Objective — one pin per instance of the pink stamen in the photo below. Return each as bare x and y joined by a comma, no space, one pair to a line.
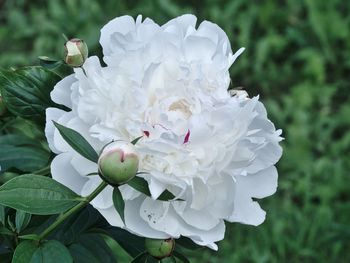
187,137
146,133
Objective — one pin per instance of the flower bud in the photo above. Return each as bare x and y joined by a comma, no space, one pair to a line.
160,248
118,162
76,52
2,106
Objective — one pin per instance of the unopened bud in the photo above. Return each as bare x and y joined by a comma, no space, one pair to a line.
76,52
160,248
118,162
2,106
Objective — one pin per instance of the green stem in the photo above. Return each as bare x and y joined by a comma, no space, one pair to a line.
71,211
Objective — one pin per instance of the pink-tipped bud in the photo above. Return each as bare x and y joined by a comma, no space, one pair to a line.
76,52
118,162
160,248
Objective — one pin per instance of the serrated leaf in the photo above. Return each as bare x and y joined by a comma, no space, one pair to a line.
118,202
77,142
26,91
22,220
51,251
37,194
24,252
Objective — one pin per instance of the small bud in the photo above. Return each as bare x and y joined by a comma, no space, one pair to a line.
160,248
76,52
2,106
118,162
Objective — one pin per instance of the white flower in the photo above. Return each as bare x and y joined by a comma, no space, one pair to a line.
169,83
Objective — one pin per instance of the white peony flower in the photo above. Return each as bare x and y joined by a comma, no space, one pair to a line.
169,83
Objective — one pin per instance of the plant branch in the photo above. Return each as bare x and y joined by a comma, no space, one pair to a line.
60,219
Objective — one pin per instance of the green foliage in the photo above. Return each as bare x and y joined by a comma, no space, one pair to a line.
118,202
297,58
26,91
77,142
37,194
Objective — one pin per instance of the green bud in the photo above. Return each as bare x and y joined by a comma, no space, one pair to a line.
2,106
76,52
160,248
118,162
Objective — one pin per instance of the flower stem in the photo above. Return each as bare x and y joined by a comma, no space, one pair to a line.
60,219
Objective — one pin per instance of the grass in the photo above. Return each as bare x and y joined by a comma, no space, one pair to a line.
297,58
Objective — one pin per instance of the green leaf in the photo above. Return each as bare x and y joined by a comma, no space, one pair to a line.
25,158
118,202
30,237
5,231
82,254
77,142
132,244
37,194
136,140
141,258
26,91
24,252
2,215
22,220
141,185
187,243
181,257
51,251
94,243
49,63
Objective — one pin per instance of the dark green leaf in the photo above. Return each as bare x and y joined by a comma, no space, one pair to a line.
51,251
94,243
136,140
173,259
187,243
22,220
118,202
24,252
2,214
37,194
132,244
5,231
82,254
26,91
141,185
24,158
49,63
30,237
141,258
181,257
77,142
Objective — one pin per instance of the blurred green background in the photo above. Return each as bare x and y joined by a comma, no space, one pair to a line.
297,58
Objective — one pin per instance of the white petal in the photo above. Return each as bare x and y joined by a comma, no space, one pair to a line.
52,114
104,199
61,93
136,224
112,216
122,25
64,173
